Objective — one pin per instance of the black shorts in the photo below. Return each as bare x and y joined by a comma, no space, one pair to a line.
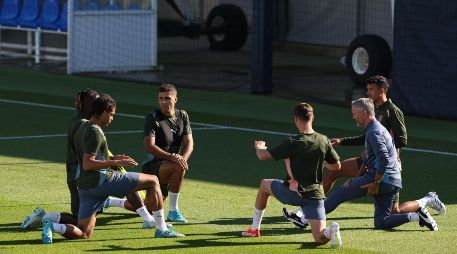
152,168
359,162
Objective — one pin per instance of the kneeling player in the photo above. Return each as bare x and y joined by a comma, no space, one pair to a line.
305,155
97,181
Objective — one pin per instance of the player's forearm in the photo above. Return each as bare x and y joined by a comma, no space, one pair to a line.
94,165
398,129
289,170
353,141
187,150
263,154
158,152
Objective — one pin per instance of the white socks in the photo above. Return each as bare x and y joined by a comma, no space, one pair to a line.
173,201
413,216
59,228
299,210
54,217
160,220
422,202
143,212
258,214
116,202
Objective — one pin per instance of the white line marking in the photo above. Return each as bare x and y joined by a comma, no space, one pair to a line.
209,126
429,151
36,104
108,132
34,136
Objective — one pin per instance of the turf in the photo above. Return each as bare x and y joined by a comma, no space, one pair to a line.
220,188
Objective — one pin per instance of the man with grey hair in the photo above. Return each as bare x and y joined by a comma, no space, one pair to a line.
382,179
365,104
391,117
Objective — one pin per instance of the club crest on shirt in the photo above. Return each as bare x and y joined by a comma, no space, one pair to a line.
380,118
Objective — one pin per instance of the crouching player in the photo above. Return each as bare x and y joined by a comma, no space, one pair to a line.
305,155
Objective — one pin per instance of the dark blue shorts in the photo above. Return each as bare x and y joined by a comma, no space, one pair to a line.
92,200
312,208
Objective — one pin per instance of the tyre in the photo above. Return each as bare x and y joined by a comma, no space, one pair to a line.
368,55
228,27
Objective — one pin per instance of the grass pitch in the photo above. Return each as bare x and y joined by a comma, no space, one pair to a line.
220,188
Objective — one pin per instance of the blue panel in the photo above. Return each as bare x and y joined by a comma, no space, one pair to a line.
30,14
50,15
91,6
113,7
9,14
425,58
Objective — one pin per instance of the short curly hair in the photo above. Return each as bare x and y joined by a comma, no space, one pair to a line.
103,103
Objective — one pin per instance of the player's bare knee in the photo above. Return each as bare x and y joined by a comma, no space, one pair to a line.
180,170
150,181
178,174
264,184
147,179
153,180
320,240
86,235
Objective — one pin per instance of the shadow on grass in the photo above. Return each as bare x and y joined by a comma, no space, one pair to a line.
109,219
264,232
204,243
11,228
34,206
20,242
348,218
399,230
247,221
27,163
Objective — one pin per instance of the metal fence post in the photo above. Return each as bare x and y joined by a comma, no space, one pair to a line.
262,47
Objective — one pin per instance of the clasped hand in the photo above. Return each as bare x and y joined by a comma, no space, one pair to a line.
180,161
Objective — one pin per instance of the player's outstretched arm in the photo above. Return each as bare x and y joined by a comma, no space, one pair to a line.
91,163
261,151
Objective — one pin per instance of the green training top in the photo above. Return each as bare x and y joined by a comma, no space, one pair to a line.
72,160
91,139
391,117
307,152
